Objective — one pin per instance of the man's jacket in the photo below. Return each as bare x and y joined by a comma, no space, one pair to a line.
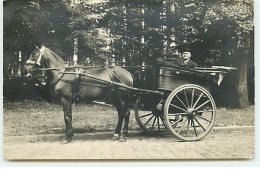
174,62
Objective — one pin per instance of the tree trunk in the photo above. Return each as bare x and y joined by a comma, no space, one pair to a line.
241,87
251,73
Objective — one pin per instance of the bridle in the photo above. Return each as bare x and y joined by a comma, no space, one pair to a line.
38,61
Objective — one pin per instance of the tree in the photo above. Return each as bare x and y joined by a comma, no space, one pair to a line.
220,33
236,29
32,22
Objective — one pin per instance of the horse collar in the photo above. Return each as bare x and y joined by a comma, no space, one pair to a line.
59,75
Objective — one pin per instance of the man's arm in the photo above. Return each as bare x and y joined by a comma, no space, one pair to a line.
167,63
160,61
192,64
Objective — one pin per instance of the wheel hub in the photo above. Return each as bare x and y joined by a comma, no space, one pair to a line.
191,112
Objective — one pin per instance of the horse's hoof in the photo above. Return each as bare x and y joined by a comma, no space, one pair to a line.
115,137
66,141
122,139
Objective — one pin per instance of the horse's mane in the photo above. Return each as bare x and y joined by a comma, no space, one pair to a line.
56,48
55,55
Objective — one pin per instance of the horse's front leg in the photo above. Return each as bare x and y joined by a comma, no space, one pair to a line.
123,115
119,124
67,110
125,130
121,104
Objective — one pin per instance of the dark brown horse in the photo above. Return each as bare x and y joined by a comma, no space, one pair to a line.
69,86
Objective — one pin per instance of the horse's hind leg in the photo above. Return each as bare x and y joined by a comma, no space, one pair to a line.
67,110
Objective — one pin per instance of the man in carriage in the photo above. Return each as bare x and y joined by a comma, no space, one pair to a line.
176,59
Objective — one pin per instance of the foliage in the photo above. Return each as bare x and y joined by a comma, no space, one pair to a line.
216,29
114,28
219,32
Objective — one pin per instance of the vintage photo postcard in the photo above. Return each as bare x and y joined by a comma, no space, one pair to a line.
128,79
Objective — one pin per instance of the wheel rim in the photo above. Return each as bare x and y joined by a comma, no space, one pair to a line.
151,121
190,112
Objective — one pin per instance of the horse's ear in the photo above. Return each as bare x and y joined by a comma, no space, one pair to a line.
36,47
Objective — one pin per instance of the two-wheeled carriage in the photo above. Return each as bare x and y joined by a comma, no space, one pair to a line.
176,99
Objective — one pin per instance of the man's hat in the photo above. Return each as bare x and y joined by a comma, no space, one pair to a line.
185,49
174,45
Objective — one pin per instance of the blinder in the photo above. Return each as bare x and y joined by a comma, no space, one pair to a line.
38,61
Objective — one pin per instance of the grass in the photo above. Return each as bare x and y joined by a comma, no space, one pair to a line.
235,117
30,117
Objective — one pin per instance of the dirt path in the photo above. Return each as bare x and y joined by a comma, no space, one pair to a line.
223,143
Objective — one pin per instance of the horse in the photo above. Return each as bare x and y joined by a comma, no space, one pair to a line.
68,86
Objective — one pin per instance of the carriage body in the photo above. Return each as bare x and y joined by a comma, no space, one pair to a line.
169,78
186,108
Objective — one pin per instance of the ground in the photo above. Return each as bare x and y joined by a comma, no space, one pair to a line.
229,143
34,130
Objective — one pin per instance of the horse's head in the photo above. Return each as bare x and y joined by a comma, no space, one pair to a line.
35,60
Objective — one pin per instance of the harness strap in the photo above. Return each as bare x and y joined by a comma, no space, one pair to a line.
112,75
77,77
58,77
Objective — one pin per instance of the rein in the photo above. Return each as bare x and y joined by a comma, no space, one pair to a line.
79,66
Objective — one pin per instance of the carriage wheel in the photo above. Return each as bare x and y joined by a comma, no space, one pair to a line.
150,120
190,112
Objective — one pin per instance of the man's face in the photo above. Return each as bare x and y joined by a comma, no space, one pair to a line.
186,55
174,51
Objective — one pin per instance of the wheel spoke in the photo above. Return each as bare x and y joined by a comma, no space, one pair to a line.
181,102
176,114
188,127
202,104
192,97
145,115
192,121
206,111
175,121
204,119
186,98
158,123
200,124
197,100
182,125
177,107
153,122
162,120
149,120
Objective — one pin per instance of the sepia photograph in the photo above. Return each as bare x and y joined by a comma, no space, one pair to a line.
112,80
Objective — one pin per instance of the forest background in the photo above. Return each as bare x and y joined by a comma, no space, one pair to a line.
220,32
